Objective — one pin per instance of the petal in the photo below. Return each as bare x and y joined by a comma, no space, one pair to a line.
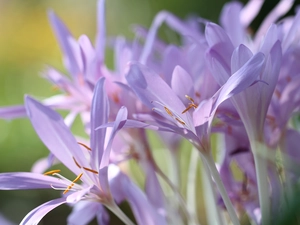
242,79
84,211
26,180
52,130
101,35
143,210
69,46
182,83
118,124
12,112
78,195
239,57
99,116
35,216
230,20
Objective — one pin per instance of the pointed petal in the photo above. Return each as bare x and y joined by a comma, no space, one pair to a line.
101,35
99,116
78,195
26,180
239,57
84,211
143,210
230,20
52,130
242,79
12,112
118,124
182,83
68,44
35,216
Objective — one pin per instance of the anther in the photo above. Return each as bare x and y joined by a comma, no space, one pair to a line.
168,111
180,121
87,147
77,164
52,172
73,183
90,170
190,98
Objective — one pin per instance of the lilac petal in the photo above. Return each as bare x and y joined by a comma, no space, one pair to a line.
172,57
153,189
101,35
12,112
249,12
103,179
68,45
118,124
215,35
99,116
35,216
44,164
78,195
219,67
26,180
88,52
84,211
239,57
182,83
242,79
230,20
292,34
5,221
281,8
270,39
52,130
172,21
143,210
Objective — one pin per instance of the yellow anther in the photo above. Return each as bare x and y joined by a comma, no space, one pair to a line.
52,172
90,170
84,145
168,111
73,183
187,109
180,121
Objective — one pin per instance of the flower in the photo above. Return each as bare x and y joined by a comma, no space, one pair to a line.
101,182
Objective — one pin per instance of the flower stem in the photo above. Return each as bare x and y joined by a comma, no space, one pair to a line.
119,213
191,188
216,176
262,181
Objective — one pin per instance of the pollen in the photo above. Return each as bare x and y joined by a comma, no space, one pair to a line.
51,172
190,98
191,105
73,183
84,145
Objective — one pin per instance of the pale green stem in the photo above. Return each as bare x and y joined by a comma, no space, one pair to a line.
262,180
216,176
212,210
191,198
119,213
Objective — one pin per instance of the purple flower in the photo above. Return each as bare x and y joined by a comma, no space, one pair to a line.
101,182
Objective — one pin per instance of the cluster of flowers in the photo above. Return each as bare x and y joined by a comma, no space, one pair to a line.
220,80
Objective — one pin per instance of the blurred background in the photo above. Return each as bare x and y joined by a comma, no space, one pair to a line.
27,45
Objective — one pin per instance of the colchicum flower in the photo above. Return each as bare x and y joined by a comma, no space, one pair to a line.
234,95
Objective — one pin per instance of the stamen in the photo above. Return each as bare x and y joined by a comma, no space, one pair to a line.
73,183
187,109
190,98
87,147
77,164
90,170
52,172
180,121
168,111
